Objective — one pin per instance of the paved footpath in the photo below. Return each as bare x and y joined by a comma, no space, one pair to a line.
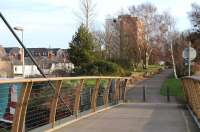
153,86
154,116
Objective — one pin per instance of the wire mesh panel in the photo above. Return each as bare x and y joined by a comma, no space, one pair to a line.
122,89
39,105
86,95
101,92
85,100
9,94
65,109
112,90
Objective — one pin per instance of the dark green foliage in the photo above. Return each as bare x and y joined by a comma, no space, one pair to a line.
81,51
101,67
87,59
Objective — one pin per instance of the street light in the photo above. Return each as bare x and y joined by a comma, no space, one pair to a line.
22,32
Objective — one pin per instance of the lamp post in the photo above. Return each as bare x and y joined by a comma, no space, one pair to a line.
22,32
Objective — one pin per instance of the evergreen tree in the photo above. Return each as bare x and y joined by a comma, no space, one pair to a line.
81,51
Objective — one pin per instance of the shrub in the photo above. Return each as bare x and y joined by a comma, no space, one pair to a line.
101,67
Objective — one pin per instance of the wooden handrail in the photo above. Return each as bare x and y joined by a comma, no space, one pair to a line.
20,80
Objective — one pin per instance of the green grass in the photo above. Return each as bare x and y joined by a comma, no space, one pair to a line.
150,69
89,83
174,86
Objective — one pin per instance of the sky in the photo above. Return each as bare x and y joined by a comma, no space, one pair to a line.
52,23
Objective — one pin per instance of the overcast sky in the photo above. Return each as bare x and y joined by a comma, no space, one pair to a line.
52,23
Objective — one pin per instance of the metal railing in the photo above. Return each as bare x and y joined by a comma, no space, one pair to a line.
31,104
191,87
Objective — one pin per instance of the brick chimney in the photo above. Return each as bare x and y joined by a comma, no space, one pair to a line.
50,55
21,55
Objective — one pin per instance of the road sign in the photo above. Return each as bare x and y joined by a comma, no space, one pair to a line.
192,51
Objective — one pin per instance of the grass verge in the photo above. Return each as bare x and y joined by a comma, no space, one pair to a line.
174,86
150,69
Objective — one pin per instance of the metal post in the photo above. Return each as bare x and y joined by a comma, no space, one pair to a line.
168,94
23,63
22,51
144,93
189,61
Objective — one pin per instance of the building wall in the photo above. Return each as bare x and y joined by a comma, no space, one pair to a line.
30,70
131,34
67,66
5,69
131,27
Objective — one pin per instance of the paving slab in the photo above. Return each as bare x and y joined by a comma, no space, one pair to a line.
152,86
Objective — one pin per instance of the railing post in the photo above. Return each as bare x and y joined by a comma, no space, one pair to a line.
168,94
144,93
125,89
55,102
16,120
77,98
117,88
106,93
94,95
20,115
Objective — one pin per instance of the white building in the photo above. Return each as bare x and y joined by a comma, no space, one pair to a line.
68,66
29,70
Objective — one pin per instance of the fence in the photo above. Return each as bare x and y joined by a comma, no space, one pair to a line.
32,104
191,87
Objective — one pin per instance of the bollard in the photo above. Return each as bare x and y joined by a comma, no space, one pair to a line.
168,94
144,93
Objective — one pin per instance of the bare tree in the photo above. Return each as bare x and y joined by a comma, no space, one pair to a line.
195,16
158,30
146,12
87,12
113,38
168,28
100,39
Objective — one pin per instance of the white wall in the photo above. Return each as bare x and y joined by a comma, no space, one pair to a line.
67,66
31,70
28,71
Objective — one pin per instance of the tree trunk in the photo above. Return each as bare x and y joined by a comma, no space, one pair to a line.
147,56
173,61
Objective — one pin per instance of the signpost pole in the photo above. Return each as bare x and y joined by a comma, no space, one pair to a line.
189,54
189,60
